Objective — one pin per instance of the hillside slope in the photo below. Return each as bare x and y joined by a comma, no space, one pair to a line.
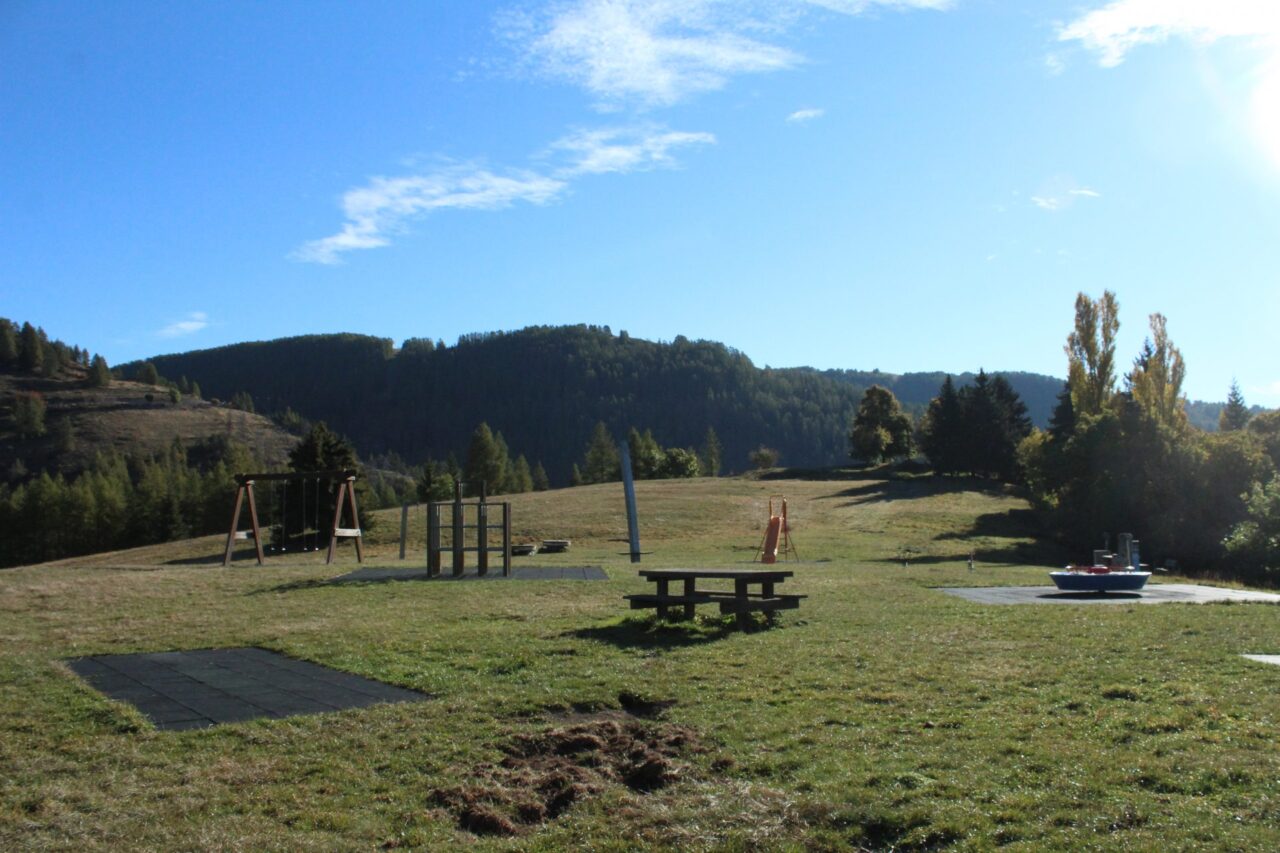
545,388
128,417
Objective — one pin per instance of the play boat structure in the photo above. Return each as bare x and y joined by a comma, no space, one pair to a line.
1120,572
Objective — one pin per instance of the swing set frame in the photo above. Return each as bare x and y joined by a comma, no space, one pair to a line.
346,496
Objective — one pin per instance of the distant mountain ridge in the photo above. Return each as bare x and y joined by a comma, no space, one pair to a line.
545,387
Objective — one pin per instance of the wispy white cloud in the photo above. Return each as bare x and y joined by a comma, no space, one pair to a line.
194,322
596,152
1061,192
1114,30
659,52
800,116
384,206
381,206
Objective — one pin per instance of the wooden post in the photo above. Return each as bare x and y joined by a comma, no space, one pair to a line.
245,489
433,540
337,521
459,555
506,539
404,527
482,538
253,520
355,518
235,523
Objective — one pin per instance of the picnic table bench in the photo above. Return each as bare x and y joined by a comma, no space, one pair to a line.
741,601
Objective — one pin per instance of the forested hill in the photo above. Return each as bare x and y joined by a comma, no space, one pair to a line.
545,388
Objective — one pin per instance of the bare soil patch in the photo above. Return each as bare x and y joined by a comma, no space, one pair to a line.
545,773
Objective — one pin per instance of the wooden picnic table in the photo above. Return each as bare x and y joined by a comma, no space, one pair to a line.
741,601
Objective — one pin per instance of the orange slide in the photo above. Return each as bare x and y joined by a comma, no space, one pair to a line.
771,536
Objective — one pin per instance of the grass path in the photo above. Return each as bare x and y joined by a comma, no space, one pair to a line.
882,713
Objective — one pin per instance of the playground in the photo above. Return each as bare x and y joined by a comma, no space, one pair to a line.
882,713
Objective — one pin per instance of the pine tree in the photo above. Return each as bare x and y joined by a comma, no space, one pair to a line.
28,415
1062,423
646,454
148,375
321,449
486,465
711,454
99,373
1235,414
8,345
521,476
540,481
881,430
30,350
575,477
942,430
601,463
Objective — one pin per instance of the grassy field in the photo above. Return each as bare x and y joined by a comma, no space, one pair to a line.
881,714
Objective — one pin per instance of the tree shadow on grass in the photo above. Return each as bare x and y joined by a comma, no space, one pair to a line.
879,489
651,633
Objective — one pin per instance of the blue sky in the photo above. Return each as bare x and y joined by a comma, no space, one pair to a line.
915,185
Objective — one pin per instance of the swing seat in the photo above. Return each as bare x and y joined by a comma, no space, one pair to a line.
244,534
347,532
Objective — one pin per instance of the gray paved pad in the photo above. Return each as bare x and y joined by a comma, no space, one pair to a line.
1271,659
196,689
520,573
1154,593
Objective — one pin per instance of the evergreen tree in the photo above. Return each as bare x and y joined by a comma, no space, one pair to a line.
540,481
601,463
148,375
30,349
1062,424
711,453
881,430
434,484
942,430
521,476
99,373
506,478
8,345
646,454
321,449
1011,426
28,415
1235,414
575,477
485,462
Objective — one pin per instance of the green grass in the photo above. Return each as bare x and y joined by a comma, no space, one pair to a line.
881,714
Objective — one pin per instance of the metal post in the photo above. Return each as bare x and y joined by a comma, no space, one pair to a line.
629,490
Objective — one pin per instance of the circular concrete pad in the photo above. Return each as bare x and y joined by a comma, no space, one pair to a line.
1156,593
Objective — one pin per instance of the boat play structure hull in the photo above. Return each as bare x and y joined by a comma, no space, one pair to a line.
1078,581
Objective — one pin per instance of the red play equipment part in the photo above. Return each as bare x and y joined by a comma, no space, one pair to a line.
777,536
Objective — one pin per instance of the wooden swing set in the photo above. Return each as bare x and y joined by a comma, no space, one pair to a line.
345,497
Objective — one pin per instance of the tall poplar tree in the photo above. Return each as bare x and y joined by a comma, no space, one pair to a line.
1091,353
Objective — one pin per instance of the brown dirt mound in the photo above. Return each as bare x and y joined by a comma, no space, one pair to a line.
544,774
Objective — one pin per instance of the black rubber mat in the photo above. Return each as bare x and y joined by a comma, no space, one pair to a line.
195,689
